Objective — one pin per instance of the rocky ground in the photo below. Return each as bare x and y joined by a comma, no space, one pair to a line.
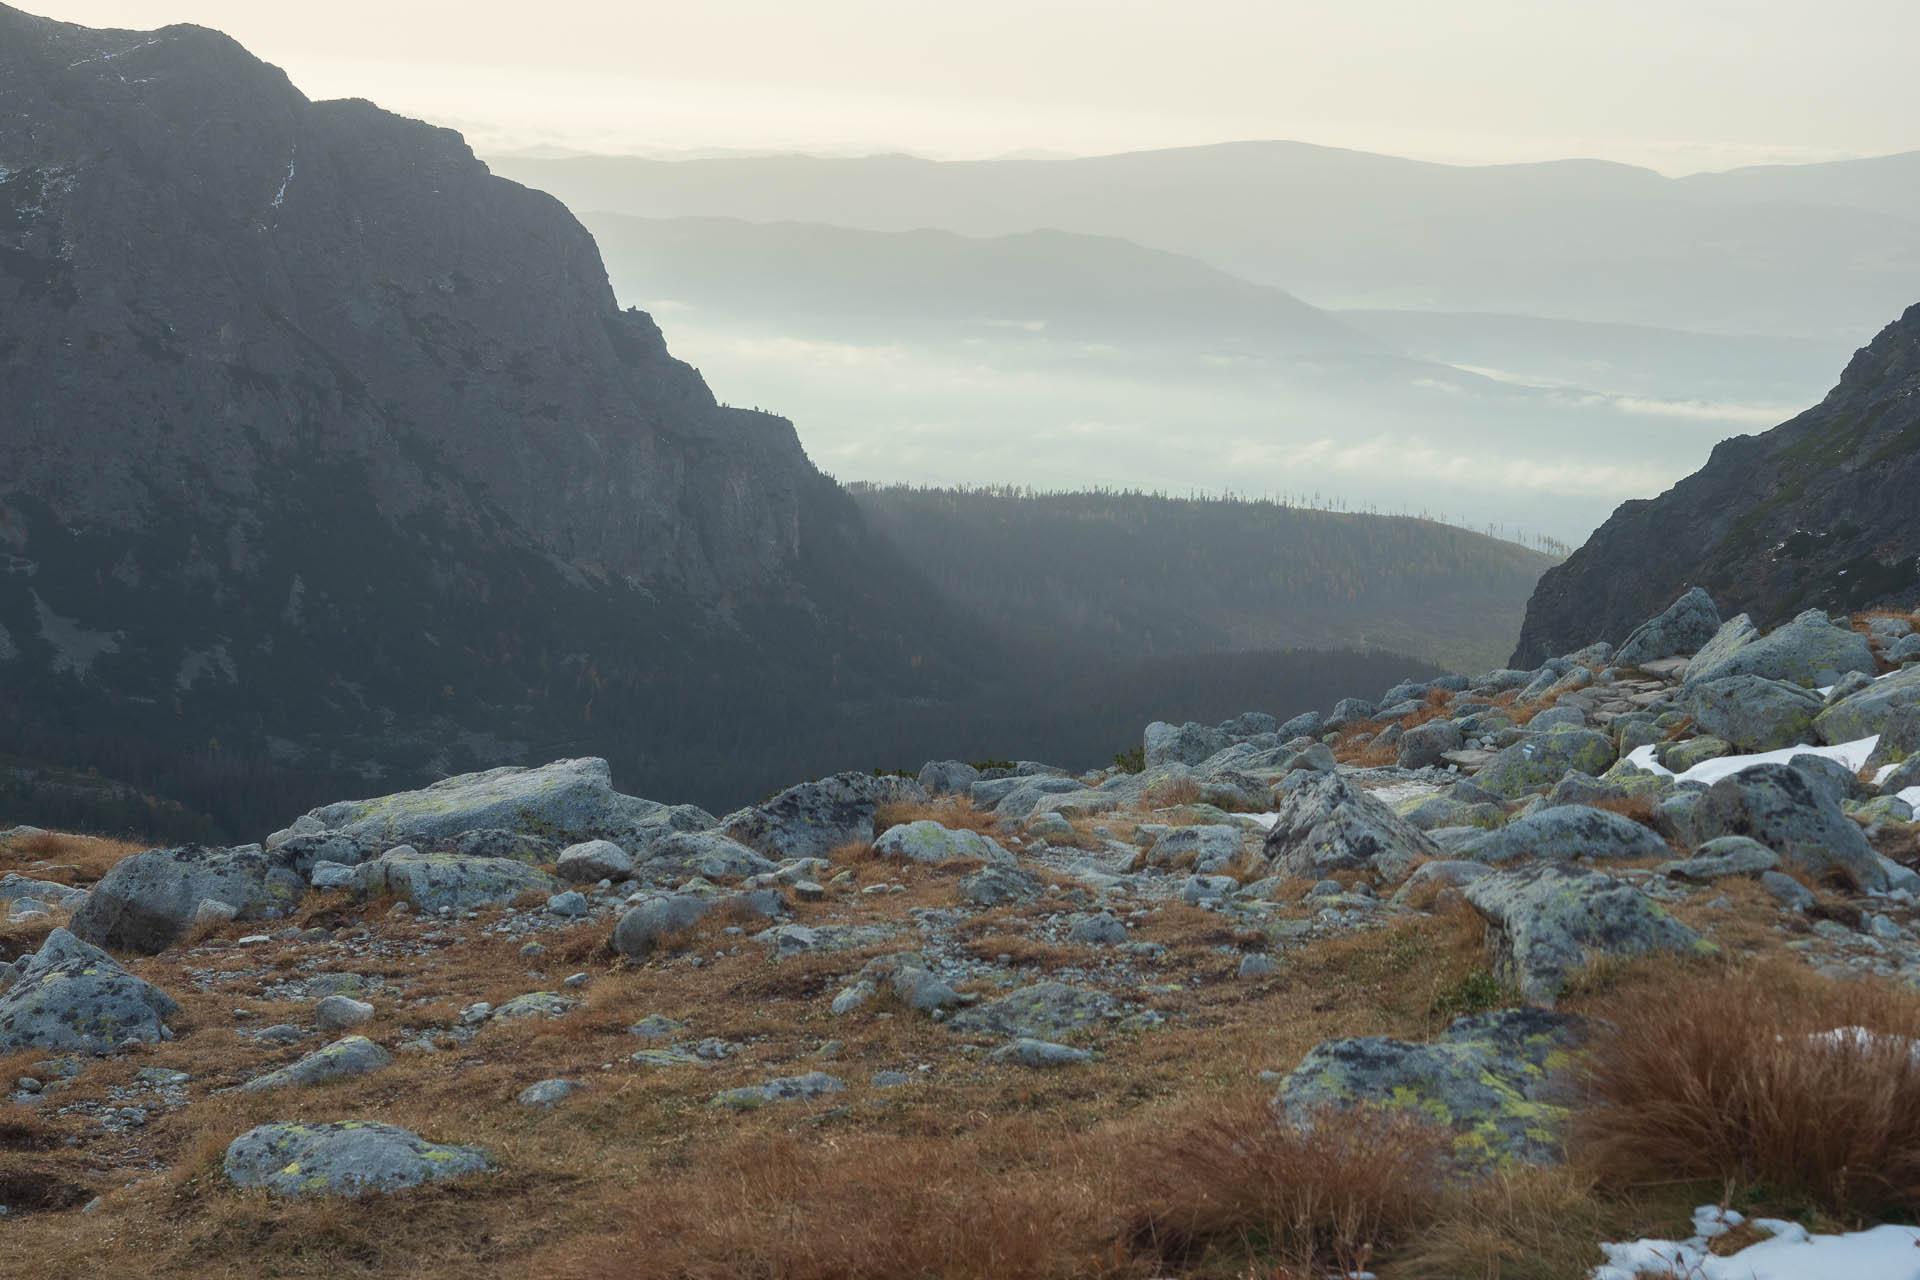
522,1021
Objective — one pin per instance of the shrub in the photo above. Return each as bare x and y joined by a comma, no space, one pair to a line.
1741,1079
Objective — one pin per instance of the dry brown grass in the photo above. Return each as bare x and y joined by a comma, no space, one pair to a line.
75,860
1231,1184
1172,793
1720,1078
956,813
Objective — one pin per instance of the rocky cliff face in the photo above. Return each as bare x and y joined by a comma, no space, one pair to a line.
308,422
1821,512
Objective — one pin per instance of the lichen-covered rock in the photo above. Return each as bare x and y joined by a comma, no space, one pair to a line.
947,777
14,887
341,1060
147,902
1424,744
1497,1080
710,855
1792,815
346,1158
814,1084
1752,712
1807,651
1867,712
1043,1011
535,1004
995,886
814,818
431,881
567,800
1039,1054
1568,832
72,996
1440,875
1017,798
1726,856
1329,824
926,841
1686,625
1548,920
1538,761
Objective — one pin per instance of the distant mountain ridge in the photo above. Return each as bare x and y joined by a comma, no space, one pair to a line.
1820,512
1755,251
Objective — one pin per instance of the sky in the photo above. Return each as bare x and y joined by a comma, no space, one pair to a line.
1676,85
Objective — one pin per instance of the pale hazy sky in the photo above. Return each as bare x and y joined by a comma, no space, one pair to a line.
1678,85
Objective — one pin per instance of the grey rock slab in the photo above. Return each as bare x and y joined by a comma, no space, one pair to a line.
1718,859
1206,847
147,902
1752,712
1538,761
339,1012
1497,1080
995,886
1039,1054
594,860
1427,744
947,777
570,800
814,818
1569,832
803,1088
72,996
1188,743
1330,824
1683,627
14,887
1798,652
1867,712
346,1158
1441,873
1548,920
1096,931
342,1060
711,855
1044,1011
451,881
536,1004
1794,816
928,842
547,1094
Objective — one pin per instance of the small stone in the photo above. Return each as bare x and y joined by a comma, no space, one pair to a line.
569,904
1256,966
1039,1053
575,980
548,1093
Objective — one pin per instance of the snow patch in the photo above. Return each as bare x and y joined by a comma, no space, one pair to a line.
280,197
1884,1253
1911,796
1851,754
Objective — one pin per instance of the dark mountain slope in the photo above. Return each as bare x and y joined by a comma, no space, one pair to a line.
325,451
1821,512
1135,575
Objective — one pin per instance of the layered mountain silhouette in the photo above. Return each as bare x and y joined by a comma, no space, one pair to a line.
330,463
1819,512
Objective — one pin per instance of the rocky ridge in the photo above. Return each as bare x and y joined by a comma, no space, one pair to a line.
1578,809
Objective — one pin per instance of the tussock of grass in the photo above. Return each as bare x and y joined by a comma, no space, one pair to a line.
1234,1184
1725,1079
955,813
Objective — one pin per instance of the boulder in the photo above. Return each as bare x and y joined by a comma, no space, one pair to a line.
1794,816
567,800
1440,874
1497,1080
593,860
546,1005
1039,1054
1308,724
1548,920
1096,930
930,843
1188,743
338,1012
341,1060
814,818
451,881
14,887
947,777
1329,824
1726,856
1686,625
1569,833
711,855
147,902
1423,745
641,929
1540,760
72,996
1872,709
1754,713
347,1158
1809,650
1044,1011
1019,797
994,886
814,1084
1206,847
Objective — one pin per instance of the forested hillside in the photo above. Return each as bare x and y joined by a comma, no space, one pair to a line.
1133,574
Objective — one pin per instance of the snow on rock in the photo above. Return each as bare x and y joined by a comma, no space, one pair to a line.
1884,1253
1851,754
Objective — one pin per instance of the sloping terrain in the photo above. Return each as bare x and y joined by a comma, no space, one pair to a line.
1817,513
